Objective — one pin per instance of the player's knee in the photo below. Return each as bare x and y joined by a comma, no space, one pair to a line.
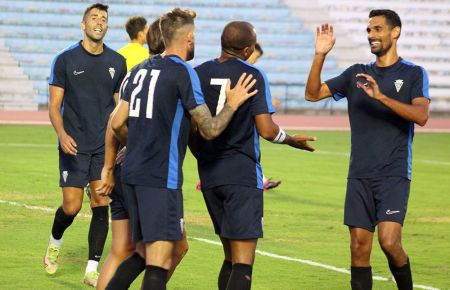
389,244
359,247
72,209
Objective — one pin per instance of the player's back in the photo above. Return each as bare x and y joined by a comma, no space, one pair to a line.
160,92
236,150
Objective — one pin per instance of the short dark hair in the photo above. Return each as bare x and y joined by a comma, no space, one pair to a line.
238,35
98,6
392,18
259,49
172,21
134,25
155,41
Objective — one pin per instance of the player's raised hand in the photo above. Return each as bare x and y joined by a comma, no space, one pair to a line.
370,86
300,141
106,183
67,144
324,39
240,93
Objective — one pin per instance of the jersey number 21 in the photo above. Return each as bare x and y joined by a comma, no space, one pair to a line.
135,102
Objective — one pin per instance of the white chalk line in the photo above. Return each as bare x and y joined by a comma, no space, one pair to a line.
260,252
322,152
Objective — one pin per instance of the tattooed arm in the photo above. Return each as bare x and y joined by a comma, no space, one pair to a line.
211,127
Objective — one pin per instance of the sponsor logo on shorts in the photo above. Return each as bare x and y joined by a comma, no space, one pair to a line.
64,175
182,225
389,212
75,73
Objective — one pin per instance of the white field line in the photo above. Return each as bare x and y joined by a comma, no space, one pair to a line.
345,154
262,253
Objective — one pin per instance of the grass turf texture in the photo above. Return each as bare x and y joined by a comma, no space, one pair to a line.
303,217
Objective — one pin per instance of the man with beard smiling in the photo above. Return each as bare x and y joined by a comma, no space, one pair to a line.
385,99
84,83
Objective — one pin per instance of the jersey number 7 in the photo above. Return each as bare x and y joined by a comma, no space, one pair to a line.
222,95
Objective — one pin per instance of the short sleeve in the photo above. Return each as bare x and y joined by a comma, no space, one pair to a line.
58,72
123,73
420,84
124,93
338,85
190,89
261,103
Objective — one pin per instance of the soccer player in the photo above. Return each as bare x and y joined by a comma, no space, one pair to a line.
122,245
153,120
235,201
385,99
85,78
135,52
268,183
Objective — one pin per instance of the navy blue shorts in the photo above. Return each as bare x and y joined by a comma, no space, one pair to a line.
370,201
236,211
77,171
156,214
119,209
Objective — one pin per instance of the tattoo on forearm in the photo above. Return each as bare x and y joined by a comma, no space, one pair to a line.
212,127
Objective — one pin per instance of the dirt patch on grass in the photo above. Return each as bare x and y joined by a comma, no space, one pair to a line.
435,219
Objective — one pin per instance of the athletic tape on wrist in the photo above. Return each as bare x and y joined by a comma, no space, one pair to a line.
280,137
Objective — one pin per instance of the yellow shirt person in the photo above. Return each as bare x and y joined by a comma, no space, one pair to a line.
135,52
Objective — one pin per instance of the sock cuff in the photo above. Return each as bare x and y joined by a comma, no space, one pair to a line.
361,269
243,268
227,263
156,269
401,269
100,210
60,213
135,257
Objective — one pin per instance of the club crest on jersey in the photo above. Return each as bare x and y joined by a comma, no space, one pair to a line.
398,85
112,71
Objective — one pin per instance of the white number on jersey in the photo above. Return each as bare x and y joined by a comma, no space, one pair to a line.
135,103
222,96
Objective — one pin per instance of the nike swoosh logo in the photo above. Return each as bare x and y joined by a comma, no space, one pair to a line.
389,212
75,73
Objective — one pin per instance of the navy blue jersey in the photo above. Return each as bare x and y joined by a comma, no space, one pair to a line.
160,92
381,140
234,156
89,82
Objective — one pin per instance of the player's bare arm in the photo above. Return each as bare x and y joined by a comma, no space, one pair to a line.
67,144
111,147
273,133
119,122
416,112
192,143
316,90
210,127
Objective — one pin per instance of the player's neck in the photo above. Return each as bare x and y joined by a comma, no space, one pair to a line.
93,47
181,53
137,41
226,55
387,59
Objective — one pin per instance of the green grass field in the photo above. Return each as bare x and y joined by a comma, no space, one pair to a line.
303,217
